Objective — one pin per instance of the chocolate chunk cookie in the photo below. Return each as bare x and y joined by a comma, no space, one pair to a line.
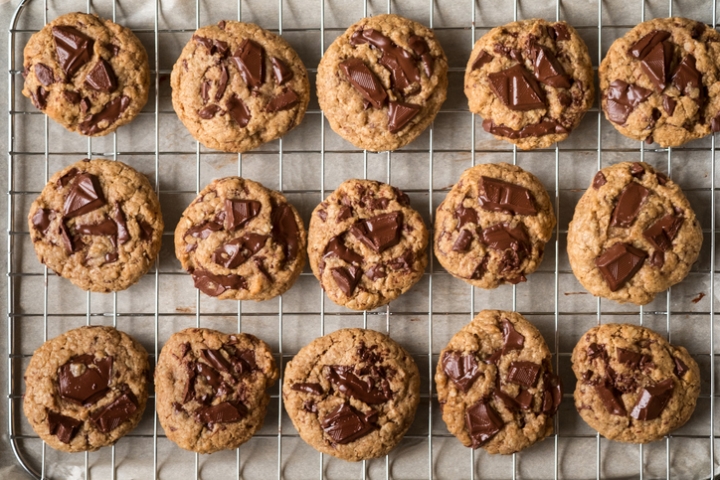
633,234
98,224
633,386
86,388
492,227
495,384
237,86
211,388
531,81
88,74
352,394
659,82
241,241
381,83
367,246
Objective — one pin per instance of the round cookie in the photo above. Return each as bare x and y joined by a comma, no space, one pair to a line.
531,81
211,388
86,388
98,224
236,86
381,83
366,245
632,385
660,81
495,384
88,74
493,225
352,394
241,241
633,234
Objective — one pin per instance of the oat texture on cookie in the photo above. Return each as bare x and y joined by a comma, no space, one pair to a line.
236,86
531,81
493,225
632,385
633,234
88,74
98,224
496,385
366,244
659,81
381,83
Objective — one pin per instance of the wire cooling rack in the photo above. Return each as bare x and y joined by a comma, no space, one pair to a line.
306,165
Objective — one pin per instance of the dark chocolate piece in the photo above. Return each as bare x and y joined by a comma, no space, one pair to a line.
381,232
482,59
85,195
465,216
561,32
399,114
85,379
376,272
461,369
119,411
397,60
336,248
595,350
611,398
637,170
123,235
463,241
109,114
620,263
513,242
421,49
661,233
653,400
628,205
215,285
482,423
239,212
222,82
224,412
669,104
552,396
74,49
687,76
203,230
285,230
347,278
364,81
285,101
656,65
353,386
599,180
214,46
680,367
39,97
101,77
545,127
239,250
622,98
71,96
499,196
642,47
628,357
209,111
250,61
517,89
523,373
311,388
63,427
282,72
546,67
345,424
42,218
44,74
238,111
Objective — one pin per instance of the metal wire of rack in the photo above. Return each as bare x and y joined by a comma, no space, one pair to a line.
38,464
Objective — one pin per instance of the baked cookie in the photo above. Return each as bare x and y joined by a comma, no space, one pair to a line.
495,384
241,241
237,86
352,394
633,234
211,388
366,245
98,224
632,385
659,82
531,81
86,388
88,74
493,225
381,83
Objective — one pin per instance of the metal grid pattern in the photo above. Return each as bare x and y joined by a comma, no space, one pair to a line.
37,463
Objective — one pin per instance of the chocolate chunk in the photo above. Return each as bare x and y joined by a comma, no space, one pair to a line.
463,241
285,101
344,213
63,427
322,213
644,46
123,235
482,59
239,212
44,74
353,386
511,53
512,339
465,216
599,180
203,230
214,46
401,197
628,205
85,105
107,227
336,248
620,263
205,91
596,351
499,196
111,258
311,388
637,170
517,89
84,379
669,104
698,30
381,232
611,398
282,72
628,357
39,98
310,406
146,230
370,202
461,369
622,98
285,230
421,49
222,82
345,424
399,114
403,262
243,361
524,399
680,367
215,285
545,127
250,61
686,76
347,278
513,242
661,233
85,195
482,423
41,219
547,69
561,32
236,252
657,259
65,235
209,111
364,81
653,400
506,400
101,77
552,397
480,269
238,111
74,49
376,272
216,359
224,412
210,374
523,373
109,114
656,64
397,60
715,123
71,96
119,411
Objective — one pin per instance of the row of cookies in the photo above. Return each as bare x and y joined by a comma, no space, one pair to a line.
353,393
236,86
634,234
